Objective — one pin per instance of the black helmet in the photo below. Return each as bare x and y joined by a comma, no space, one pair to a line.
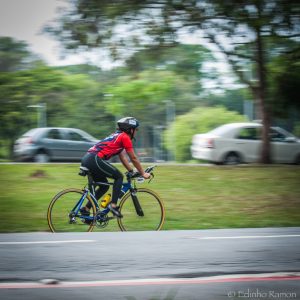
125,124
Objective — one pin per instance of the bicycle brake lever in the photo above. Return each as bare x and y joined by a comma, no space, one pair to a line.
152,176
149,169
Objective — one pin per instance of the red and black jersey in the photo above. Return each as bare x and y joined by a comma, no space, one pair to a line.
112,145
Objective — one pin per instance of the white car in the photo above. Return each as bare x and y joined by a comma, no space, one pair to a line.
241,143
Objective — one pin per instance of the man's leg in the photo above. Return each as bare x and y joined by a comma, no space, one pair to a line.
89,162
112,172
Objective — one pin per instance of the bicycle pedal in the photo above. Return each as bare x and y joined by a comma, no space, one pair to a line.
87,221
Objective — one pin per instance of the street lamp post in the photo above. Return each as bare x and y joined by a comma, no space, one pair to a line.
170,117
41,114
157,142
250,107
116,107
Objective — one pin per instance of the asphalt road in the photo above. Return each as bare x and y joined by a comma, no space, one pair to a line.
208,264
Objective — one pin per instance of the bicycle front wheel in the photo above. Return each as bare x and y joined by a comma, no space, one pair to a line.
149,216
63,212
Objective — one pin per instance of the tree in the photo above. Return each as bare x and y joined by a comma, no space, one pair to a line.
148,89
15,56
183,60
230,99
284,82
240,30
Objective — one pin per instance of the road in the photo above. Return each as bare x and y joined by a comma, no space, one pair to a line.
206,264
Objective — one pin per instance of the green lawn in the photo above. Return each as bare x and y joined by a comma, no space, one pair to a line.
195,197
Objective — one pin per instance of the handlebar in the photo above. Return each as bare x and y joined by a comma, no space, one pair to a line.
132,175
149,169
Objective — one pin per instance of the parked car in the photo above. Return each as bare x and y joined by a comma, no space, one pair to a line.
241,143
53,143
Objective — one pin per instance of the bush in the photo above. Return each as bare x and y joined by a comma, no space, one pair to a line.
179,135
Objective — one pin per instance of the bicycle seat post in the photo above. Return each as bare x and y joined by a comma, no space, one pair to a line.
91,183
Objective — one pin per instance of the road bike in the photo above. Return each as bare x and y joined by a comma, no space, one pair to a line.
142,208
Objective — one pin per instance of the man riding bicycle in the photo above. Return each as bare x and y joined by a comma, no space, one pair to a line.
96,160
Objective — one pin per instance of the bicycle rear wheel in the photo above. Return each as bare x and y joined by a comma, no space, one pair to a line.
62,216
152,216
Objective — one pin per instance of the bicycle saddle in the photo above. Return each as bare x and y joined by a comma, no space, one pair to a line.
83,171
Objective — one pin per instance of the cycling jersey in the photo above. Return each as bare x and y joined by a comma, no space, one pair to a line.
112,145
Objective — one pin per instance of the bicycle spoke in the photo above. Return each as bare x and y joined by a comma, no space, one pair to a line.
64,215
152,208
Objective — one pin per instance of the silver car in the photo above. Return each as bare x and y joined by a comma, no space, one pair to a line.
241,143
53,143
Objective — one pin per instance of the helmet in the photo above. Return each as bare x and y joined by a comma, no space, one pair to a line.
125,124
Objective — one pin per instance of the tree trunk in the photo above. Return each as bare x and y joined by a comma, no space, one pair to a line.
265,157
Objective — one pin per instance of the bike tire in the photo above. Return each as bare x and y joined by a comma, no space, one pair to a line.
60,208
153,212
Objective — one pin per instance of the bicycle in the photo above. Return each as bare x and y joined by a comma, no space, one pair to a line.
142,208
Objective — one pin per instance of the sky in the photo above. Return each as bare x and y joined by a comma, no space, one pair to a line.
24,20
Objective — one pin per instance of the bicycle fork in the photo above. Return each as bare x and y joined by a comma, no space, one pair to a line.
136,203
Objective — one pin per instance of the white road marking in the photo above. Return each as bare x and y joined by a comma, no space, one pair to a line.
154,281
243,237
47,242
191,237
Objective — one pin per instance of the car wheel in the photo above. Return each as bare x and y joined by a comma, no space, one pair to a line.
41,157
297,160
232,159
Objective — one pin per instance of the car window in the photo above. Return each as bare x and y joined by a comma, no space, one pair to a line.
276,136
54,134
74,136
219,131
284,132
87,136
248,134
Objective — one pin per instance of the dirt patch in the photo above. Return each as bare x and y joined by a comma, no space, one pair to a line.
38,174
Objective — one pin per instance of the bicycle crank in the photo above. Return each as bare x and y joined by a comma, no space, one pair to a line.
102,220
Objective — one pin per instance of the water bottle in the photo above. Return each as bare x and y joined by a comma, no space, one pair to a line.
105,200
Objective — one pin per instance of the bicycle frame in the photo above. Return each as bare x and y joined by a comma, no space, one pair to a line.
126,186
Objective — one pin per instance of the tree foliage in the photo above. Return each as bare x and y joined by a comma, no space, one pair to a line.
91,99
14,55
284,83
231,99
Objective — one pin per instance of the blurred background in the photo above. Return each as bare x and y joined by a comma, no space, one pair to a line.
180,67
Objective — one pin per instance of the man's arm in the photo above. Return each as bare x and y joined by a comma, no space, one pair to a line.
135,161
125,161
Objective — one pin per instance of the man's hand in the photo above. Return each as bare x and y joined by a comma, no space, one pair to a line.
146,175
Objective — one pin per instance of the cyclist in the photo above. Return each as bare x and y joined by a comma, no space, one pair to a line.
96,160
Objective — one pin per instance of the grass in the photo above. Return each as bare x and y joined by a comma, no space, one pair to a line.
195,197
